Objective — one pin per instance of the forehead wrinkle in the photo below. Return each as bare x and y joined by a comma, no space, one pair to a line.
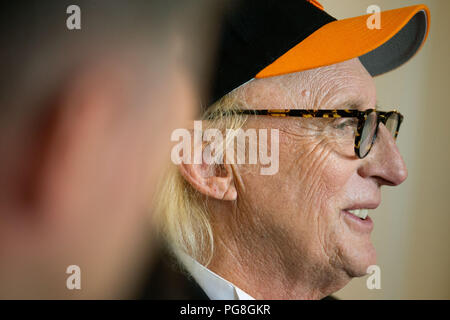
340,88
279,92
343,95
329,87
290,91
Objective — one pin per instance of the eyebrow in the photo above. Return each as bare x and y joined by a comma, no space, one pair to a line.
350,105
357,105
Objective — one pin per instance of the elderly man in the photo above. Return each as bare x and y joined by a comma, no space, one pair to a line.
303,232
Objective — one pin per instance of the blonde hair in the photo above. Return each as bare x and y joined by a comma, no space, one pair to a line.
183,216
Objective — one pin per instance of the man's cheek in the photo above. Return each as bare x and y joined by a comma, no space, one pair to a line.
318,178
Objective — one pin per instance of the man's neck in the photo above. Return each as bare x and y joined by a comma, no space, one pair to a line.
263,276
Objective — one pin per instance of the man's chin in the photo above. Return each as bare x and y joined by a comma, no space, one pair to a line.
359,259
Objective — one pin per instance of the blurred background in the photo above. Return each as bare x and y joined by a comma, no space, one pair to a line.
412,224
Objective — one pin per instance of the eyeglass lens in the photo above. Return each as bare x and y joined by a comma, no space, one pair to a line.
370,129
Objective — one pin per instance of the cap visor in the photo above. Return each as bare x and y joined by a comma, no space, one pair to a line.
403,31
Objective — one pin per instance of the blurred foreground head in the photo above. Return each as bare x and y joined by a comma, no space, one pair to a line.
85,119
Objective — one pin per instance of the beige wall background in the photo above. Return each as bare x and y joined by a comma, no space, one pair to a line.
412,226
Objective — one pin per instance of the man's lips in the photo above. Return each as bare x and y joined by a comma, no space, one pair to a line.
361,210
360,213
357,217
356,223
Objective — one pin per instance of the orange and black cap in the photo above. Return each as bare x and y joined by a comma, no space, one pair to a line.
265,38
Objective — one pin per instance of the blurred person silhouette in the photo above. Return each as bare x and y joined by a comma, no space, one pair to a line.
89,95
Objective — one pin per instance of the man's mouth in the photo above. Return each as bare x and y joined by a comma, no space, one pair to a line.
357,216
360,213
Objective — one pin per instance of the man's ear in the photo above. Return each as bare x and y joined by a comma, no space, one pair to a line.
213,180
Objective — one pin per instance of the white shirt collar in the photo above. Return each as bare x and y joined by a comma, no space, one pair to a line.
215,287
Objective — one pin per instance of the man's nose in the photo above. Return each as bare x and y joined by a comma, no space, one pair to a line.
384,161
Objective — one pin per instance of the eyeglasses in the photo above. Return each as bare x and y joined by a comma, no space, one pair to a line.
367,128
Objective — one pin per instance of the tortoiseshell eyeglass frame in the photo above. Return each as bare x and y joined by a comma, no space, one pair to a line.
333,113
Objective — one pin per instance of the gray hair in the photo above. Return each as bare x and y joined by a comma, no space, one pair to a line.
183,214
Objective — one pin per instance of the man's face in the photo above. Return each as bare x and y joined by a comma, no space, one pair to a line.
300,212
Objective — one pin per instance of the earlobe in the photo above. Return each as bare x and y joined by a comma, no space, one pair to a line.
209,180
